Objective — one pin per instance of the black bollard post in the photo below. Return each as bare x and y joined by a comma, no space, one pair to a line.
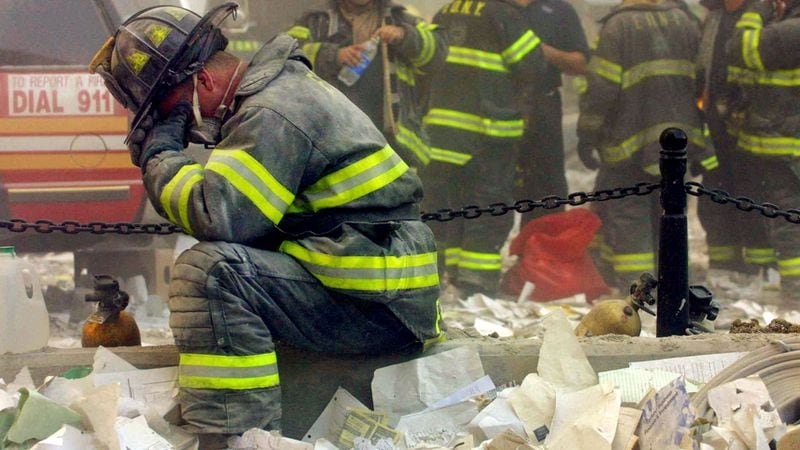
673,248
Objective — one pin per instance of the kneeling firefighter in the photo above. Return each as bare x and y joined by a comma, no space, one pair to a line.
307,219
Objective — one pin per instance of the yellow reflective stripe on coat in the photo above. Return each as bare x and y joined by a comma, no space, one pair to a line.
476,58
470,122
253,181
411,141
312,50
198,371
428,44
789,267
629,146
452,256
175,196
450,156
750,20
299,32
480,261
606,69
773,146
406,75
655,68
367,273
759,255
710,163
783,78
750,53
721,253
633,262
440,337
519,49
360,178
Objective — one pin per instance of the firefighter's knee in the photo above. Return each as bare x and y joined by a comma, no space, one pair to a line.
191,304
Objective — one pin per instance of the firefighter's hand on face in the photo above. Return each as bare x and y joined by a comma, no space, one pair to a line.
391,34
155,135
350,56
588,155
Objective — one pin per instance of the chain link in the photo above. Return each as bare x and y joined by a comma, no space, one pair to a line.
769,210
444,215
72,227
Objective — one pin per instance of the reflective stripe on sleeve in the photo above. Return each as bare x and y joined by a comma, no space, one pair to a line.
367,273
299,32
197,371
312,50
480,261
750,53
519,49
721,253
360,178
606,69
253,181
659,67
175,196
428,44
710,163
450,156
634,262
470,122
406,75
476,58
750,20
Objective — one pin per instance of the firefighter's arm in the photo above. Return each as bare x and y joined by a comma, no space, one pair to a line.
522,52
423,44
763,45
603,84
324,56
246,187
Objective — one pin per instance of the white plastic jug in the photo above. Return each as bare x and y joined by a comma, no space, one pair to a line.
24,323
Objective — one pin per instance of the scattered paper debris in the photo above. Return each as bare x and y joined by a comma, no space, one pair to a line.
438,427
330,423
634,384
666,417
562,361
698,369
585,419
38,417
135,434
416,385
496,418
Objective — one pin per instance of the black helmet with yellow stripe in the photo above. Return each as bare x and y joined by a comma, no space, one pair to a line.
155,50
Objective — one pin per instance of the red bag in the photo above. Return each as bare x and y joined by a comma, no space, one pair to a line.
553,256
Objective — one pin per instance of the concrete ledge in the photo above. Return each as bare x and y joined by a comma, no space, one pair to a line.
309,379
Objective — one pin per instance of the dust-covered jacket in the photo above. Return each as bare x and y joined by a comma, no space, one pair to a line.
413,62
641,80
303,171
764,57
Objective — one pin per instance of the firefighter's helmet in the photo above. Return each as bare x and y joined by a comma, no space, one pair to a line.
155,50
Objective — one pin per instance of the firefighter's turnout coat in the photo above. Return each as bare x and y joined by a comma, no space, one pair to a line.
641,81
422,52
475,121
310,233
764,63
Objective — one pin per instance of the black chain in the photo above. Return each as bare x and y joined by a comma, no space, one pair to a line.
769,210
72,227
550,202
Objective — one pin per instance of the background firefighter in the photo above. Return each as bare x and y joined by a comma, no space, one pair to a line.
474,122
416,50
641,81
764,62
737,243
308,220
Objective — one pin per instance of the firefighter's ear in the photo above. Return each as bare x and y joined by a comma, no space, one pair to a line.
205,78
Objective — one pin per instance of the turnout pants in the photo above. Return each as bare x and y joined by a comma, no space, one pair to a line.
469,249
736,241
229,303
628,236
540,168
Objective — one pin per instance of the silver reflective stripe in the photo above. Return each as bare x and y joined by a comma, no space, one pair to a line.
229,372
252,179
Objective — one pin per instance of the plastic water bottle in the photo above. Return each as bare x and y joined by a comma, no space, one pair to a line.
24,323
349,75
